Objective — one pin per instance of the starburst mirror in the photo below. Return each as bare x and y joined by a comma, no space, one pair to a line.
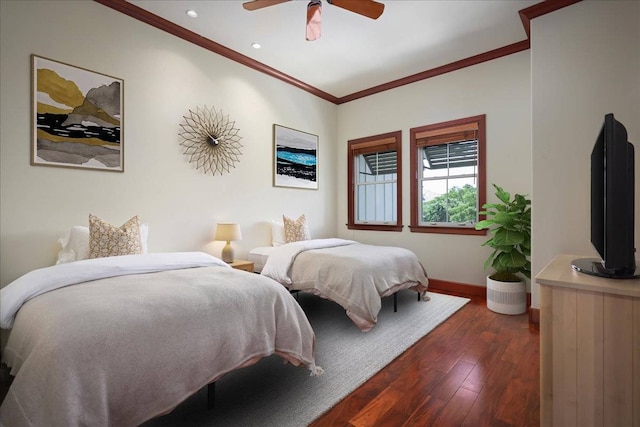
210,140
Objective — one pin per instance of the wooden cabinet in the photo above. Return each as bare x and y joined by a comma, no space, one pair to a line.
240,264
589,348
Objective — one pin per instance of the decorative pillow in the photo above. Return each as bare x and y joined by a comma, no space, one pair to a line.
295,229
106,240
75,244
277,233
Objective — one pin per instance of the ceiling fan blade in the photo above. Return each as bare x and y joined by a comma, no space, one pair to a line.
259,4
369,8
314,18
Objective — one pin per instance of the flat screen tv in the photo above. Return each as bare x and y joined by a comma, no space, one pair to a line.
612,205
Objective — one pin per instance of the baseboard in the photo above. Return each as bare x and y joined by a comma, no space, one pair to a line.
458,288
479,291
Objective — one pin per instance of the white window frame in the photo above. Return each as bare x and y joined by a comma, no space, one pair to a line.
446,178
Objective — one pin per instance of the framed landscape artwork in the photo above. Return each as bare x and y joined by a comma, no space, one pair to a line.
295,158
77,117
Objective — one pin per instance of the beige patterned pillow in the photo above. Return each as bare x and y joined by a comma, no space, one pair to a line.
295,229
106,240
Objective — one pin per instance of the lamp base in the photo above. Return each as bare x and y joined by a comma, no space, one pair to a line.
227,253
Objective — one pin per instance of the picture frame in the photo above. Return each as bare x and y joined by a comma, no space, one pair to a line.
77,117
295,158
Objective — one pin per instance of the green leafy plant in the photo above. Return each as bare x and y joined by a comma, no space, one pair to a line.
510,226
457,205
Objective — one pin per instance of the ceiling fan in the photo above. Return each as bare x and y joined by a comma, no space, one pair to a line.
369,8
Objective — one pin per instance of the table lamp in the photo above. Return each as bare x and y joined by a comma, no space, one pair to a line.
228,232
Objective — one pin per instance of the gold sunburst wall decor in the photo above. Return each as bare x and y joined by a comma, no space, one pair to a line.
210,140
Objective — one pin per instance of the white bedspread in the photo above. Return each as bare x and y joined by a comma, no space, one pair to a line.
120,350
352,274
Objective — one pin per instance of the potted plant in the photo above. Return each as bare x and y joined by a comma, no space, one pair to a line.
510,224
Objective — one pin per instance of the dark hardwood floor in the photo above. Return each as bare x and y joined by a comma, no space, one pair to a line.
478,368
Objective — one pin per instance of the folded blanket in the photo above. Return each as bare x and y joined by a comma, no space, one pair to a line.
282,257
46,279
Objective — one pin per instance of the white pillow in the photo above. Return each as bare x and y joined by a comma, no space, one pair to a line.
277,233
75,244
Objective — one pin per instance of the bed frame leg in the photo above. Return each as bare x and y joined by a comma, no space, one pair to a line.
211,395
395,302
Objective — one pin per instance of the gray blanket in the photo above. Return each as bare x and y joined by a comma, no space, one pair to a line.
352,274
122,350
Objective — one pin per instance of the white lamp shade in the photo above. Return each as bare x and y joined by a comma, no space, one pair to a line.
228,232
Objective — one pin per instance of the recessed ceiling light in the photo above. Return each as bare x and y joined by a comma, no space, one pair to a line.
192,13
256,45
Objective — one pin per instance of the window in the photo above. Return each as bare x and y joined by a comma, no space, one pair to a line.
448,176
375,183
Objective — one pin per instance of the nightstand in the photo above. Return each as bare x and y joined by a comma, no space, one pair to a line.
240,264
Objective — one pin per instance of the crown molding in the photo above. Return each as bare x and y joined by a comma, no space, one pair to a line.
457,65
140,14
526,15
539,9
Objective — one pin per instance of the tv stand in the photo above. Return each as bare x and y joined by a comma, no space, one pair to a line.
589,348
594,267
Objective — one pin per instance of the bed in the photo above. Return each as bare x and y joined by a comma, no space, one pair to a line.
121,340
352,274
259,256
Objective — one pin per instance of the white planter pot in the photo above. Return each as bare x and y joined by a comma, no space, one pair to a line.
507,297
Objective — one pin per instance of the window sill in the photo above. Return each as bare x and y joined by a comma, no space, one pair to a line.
447,230
375,227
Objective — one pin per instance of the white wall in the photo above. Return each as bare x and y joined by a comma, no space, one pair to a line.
501,90
163,77
555,95
585,62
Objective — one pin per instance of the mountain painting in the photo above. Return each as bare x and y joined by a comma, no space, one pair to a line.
77,117
296,158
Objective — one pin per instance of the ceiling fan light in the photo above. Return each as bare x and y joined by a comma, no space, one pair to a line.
368,8
314,15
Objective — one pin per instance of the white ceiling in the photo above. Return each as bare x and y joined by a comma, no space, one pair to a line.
354,53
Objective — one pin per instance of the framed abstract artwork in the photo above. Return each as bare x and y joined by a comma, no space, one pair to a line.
77,117
295,158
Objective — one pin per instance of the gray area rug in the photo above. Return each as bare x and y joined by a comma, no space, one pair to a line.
271,393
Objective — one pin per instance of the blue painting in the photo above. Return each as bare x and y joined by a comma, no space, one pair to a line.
77,117
296,158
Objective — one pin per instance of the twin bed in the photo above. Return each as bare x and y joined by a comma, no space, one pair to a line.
354,275
122,339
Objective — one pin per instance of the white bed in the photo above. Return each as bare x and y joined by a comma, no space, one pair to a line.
259,256
352,274
117,341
